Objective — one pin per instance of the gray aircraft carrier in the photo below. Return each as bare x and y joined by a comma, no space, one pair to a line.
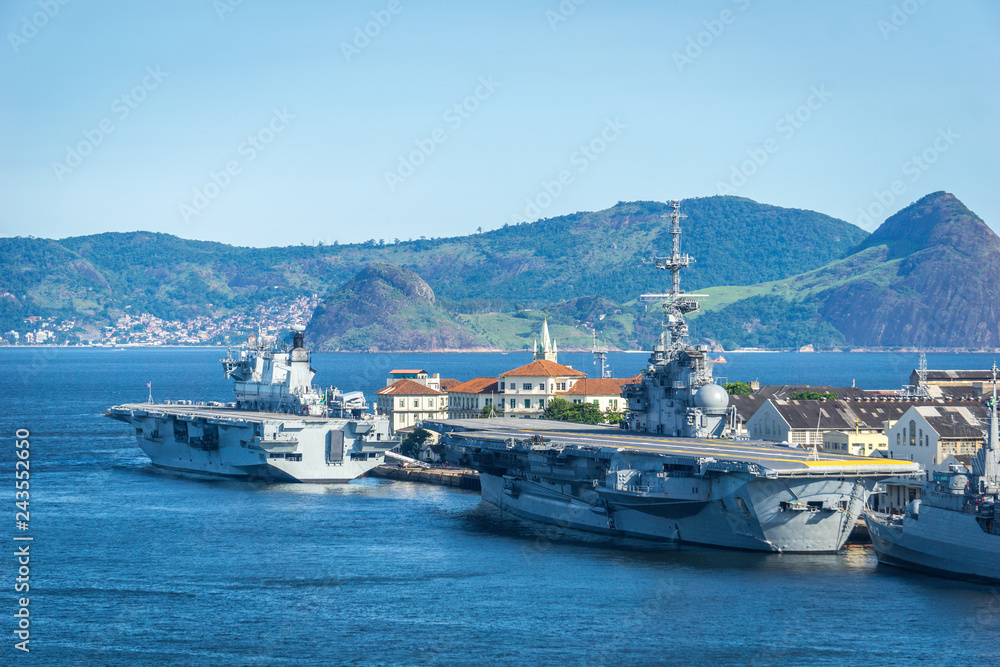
675,473
711,492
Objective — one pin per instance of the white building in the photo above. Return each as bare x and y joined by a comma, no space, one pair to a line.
605,393
929,434
527,390
466,400
406,402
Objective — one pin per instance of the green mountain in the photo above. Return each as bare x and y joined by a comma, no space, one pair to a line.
546,264
385,307
928,277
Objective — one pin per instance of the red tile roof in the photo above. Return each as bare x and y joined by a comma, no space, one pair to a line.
599,386
408,371
544,368
407,388
448,383
475,386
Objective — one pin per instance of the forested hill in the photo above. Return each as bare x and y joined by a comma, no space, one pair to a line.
928,277
735,240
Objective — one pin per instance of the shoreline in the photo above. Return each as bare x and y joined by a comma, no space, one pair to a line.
493,350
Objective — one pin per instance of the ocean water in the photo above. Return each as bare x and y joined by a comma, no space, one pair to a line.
134,566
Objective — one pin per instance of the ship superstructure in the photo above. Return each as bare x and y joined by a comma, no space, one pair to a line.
279,428
672,475
953,529
677,394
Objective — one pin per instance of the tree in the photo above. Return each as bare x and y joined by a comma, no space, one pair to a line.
738,388
414,442
490,410
613,416
583,413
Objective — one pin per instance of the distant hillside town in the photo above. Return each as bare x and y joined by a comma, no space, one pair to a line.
145,329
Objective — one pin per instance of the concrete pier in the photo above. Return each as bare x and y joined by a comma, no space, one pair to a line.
459,478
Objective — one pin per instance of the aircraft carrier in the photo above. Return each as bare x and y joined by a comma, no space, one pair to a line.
280,428
673,474
720,493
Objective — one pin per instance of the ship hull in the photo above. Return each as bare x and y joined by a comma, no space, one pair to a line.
748,516
230,445
942,543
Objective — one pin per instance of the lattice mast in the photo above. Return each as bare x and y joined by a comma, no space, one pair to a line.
675,304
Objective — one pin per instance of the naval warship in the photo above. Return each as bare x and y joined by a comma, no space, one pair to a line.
953,529
674,474
280,427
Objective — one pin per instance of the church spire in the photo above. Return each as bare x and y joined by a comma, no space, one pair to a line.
547,351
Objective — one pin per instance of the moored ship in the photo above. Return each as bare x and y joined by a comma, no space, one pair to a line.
674,474
953,529
280,428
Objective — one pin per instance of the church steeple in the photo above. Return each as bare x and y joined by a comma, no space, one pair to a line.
548,350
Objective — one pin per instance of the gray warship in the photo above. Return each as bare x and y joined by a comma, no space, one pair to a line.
674,475
279,428
953,529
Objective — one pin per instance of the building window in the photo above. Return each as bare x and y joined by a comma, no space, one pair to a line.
513,404
913,433
561,386
502,386
897,438
527,404
526,386
614,403
541,404
416,402
402,402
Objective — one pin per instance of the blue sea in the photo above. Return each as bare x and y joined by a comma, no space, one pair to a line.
134,566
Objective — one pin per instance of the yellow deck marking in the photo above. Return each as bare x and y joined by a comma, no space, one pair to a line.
749,451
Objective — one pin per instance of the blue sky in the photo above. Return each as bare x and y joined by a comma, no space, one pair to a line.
266,123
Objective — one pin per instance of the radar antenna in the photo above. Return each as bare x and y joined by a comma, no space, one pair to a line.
600,356
676,304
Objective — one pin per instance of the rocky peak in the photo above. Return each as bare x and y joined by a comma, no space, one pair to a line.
938,220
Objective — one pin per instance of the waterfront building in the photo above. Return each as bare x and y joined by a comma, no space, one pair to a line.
526,390
928,434
605,393
856,443
407,401
956,384
417,375
807,422
466,400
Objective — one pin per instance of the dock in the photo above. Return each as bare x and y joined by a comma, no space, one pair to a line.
457,478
